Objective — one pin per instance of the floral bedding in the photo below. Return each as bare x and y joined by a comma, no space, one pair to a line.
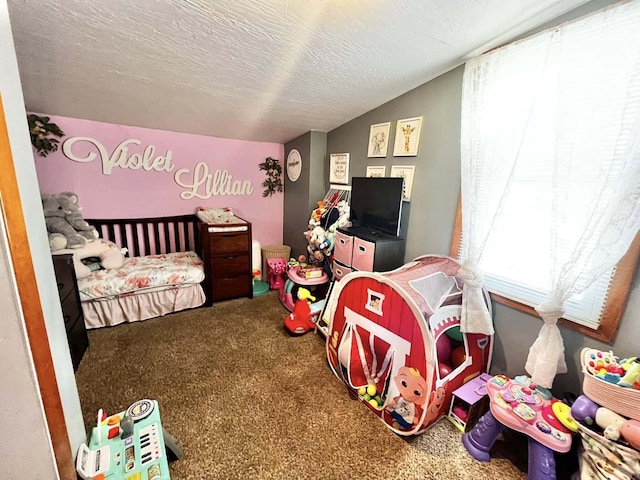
143,273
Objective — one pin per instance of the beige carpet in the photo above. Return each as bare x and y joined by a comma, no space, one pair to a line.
246,400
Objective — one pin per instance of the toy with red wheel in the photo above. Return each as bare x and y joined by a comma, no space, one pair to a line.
299,320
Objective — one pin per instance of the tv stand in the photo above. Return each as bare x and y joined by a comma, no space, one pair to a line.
366,249
362,231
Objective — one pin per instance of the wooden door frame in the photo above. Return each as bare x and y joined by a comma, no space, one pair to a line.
29,299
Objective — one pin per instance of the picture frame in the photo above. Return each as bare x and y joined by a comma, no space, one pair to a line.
407,172
375,300
378,140
339,168
407,138
376,171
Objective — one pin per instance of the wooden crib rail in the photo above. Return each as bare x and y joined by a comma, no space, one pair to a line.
151,236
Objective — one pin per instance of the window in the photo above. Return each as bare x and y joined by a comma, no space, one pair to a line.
550,151
611,309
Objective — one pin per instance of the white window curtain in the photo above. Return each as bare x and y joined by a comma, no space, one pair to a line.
553,120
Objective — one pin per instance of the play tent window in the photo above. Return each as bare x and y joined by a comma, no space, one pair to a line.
550,152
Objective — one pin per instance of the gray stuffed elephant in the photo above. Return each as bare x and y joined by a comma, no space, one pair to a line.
69,203
66,227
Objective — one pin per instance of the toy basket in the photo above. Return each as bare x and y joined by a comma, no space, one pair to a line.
274,251
624,401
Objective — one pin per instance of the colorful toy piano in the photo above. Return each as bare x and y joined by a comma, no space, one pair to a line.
129,445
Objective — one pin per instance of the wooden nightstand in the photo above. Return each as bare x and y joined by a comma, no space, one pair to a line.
226,253
71,308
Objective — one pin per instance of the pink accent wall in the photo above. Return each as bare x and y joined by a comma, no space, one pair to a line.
129,193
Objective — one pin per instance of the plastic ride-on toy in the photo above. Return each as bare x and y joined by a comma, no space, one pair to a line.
299,320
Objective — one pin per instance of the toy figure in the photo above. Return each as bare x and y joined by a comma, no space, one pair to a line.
406,408
435,405
299,321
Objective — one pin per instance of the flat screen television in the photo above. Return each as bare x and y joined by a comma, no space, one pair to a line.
376,203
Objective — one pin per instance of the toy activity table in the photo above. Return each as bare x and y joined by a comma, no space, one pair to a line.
526,408
129,445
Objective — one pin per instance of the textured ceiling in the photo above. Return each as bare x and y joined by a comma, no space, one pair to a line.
266,70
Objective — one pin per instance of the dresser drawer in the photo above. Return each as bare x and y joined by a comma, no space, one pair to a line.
221,243
231,287
343,248
363,255
226,252
230,265
78,341
70,311
340,270
64,275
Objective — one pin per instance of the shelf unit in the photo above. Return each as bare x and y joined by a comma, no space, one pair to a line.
364,249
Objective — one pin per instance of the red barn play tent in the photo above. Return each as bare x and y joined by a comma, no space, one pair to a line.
394,339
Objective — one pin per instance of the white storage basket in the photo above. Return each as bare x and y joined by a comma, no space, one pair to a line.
622,400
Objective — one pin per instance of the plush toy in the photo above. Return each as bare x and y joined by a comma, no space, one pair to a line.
59,211
316,215
343,219
317,236
69,203
110,255
406,408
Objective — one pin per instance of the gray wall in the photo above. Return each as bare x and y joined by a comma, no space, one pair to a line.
301,196
429,220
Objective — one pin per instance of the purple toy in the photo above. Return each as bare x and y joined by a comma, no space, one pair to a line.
584,410
478,442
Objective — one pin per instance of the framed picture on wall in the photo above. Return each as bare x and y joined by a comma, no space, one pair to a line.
378,140
339,168
407,172
407,137
376,171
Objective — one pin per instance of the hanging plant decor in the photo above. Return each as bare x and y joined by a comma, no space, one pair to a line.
273,183
40,130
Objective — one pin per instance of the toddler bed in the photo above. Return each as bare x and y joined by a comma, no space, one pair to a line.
161,273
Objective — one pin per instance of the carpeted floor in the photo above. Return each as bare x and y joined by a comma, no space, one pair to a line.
246,400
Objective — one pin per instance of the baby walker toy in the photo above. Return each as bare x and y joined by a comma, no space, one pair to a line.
317,286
